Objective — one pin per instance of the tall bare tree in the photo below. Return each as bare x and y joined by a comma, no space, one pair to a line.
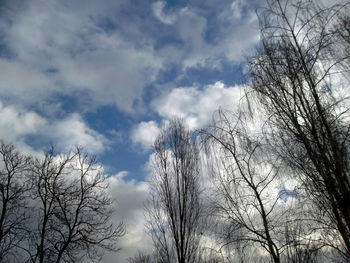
296,75
71,209
13,194
174,211
246,177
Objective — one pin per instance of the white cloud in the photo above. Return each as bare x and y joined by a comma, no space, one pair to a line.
145,133
158,12
196,106
17,123
18,80
131,197
62,50
74,131
192,28
115,75
234,37
236,8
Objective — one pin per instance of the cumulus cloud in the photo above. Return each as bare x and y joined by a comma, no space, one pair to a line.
86,51
17,123
58,49
196,106
158,12
145,133
234,32
22,81
74,131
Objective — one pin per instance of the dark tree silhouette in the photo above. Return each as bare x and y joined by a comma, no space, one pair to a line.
174,211
295,76
13,194
246,175
71,209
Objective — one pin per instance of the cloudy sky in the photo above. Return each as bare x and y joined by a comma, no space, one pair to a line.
105,74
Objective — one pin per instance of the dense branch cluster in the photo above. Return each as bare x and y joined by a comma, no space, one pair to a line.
175,206
295,78
54,208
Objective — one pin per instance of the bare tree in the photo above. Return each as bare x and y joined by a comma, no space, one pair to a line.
301,248
295,76
174,212
71,209
13,192
142,257
246,178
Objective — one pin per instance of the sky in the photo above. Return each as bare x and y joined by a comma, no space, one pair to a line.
107,74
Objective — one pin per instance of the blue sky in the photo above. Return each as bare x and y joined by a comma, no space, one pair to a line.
107,74
102,65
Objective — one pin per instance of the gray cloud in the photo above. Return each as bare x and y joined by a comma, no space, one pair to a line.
91,48
17,123
131,197
62,50
158,12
